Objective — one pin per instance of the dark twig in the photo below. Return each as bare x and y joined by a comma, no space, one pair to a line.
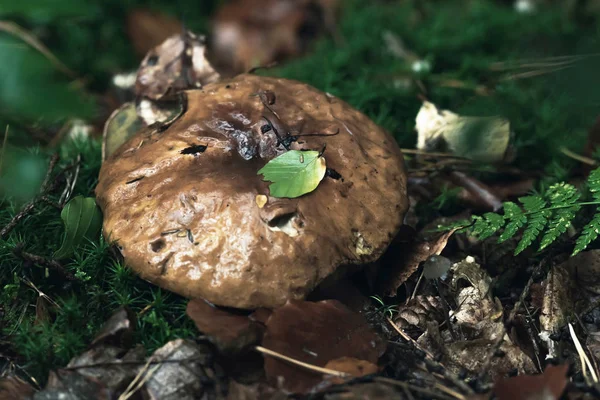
477,189
43,262
25,211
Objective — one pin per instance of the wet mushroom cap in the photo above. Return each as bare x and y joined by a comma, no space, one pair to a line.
190,213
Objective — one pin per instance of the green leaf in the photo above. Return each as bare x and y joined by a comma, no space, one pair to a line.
83,221
588,235
487,225
294,173
119,128
538,218
513,213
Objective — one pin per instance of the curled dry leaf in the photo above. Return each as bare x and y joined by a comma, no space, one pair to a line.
230,332
66,384
557,305
547,386
177,64
482,139
316,333
585,270
412,252
118,330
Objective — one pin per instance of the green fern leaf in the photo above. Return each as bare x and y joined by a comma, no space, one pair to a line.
487,225
588,235
594,183
560,195
516,218
537,220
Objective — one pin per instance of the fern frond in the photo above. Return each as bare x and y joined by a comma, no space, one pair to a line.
517,219
588,234
591,230
537,220
486,225
563,199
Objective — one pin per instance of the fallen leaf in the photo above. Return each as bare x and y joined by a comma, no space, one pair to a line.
118,330
585,270
256,391
316,333
176,64
482,139
14,388
412,251
230,332
557,305
352,366
253,33
122,124
294,173
179,373
367,391
66,384
83,221
547,386
418,311
148,29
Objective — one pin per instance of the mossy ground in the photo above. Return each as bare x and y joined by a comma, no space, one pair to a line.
460,39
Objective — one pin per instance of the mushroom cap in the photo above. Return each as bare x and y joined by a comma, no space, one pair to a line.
190,213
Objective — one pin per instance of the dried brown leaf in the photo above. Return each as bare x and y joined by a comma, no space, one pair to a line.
118,330
547,386
316,333
148,29
410,254
14,388
252,33
230,332
367,391
351,366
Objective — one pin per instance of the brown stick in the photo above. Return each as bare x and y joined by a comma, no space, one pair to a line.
43,262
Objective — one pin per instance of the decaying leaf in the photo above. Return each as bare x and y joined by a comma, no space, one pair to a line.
418,311
294,173
482,139
316,333
352,366
253,33
179,372
67,384
547,386
178,63
230,332
557,305
148,29
414,251
478,320
14,388
367,391
83,221
122,124
118,330
585,270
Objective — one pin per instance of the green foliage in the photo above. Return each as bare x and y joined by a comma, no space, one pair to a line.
548,215
294,173
83,221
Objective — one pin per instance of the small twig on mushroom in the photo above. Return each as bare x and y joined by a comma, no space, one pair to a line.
29,207
43,262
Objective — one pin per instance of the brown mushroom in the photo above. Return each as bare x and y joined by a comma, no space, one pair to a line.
190,213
